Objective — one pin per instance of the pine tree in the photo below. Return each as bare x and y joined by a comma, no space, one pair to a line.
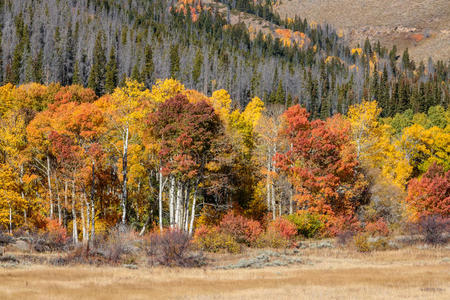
325,108
38,74
111,80
147,72
405,60
197,69
69,57
135,74
76,74
174,61
96,79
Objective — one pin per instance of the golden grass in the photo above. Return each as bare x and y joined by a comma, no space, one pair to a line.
334,274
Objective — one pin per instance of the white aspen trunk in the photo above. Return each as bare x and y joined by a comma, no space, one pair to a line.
125,177
186,209
49,182
178,208
172,201
92,204
162,183
65,199
274,207
74,215
194,200
88,215
58,203
268,181
272,188
291,209
83,221
22,194
10,218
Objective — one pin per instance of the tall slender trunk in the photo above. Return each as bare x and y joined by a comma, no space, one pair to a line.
194,202
125,177
186,208
58,203
274,208
162,183
93,204
65,202
49,182
268,180
10,218
83,220
172,201
178,207
74,215
291,209
22,194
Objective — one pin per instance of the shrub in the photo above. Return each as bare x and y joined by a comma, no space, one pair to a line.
308,224
344,237
54,237
272,239
362,242
378,227
283,227
242,229
5,239
57,234
210,239
434,228
172,248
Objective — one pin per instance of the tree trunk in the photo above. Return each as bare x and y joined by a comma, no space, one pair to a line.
172,201
268,181
125,178
186,209
162,183
291,209
50,195
194,201
10,218
83,221
178,207
74,215
65,202
93,204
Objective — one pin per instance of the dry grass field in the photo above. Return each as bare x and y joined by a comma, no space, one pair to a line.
409,273
401,22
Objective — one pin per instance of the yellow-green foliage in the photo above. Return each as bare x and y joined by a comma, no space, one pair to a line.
272,239
215,241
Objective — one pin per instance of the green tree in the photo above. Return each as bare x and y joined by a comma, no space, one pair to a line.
174,61
96,79
111,80
147,71
198,62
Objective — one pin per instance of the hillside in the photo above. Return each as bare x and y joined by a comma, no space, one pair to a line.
422,26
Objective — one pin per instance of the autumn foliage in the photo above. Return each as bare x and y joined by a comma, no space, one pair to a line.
430,194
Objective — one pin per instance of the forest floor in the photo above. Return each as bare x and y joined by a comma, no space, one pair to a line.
328,273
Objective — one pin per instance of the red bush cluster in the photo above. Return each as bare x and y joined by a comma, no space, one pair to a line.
242,229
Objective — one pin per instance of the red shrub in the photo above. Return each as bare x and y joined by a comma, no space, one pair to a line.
284,227
430,195
340,224
56,232
378,227
242,229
